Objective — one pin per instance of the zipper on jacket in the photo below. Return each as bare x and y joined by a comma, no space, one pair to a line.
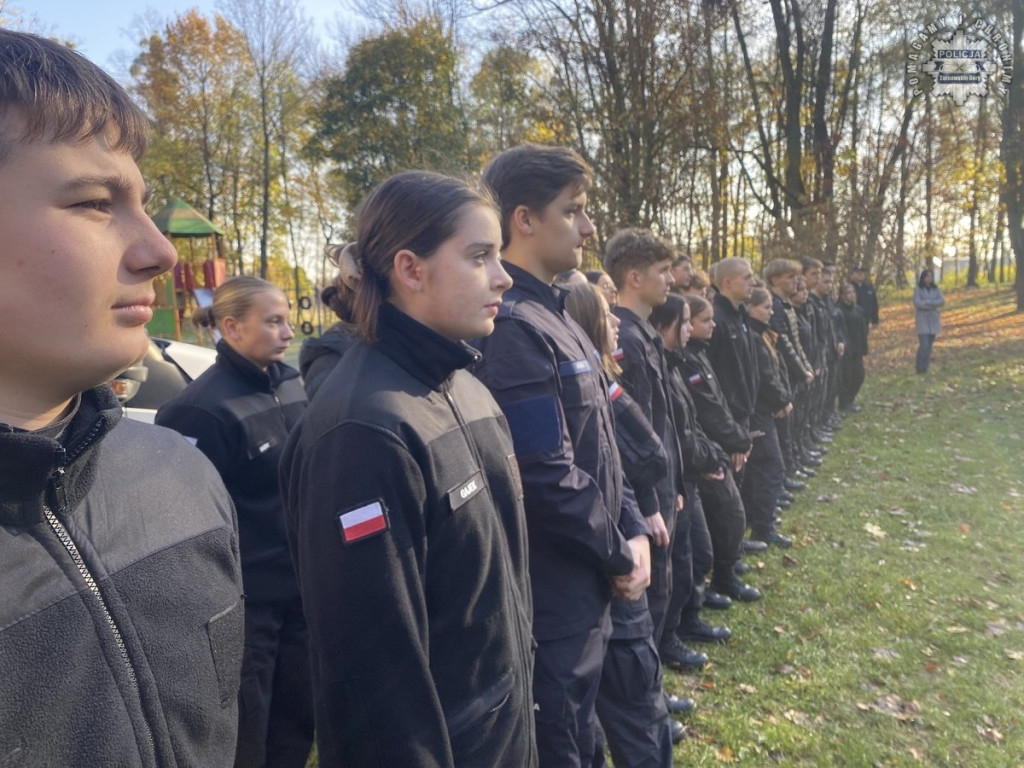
62,533
516,609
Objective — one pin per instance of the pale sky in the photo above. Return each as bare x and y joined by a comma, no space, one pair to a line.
108,32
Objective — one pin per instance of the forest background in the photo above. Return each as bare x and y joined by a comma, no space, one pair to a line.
731,127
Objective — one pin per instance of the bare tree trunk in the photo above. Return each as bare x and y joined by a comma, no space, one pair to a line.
1013,155
980,152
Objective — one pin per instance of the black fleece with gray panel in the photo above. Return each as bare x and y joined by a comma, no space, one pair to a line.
120,598
419,615
240,415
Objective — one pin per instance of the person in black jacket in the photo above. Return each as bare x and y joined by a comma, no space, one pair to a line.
404,502
318,356
639,264
851,368
781,277
631,704
726,517
765,472
587,538
731,348
239,413
703,460
867,299
120,589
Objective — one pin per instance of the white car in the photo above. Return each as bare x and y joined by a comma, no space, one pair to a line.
167,368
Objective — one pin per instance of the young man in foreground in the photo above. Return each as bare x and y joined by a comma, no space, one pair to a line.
120,592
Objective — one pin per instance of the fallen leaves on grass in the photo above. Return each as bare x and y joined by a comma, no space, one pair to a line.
886,654
961,488
893,706
874,531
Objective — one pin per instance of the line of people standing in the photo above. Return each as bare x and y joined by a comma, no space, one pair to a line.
509,501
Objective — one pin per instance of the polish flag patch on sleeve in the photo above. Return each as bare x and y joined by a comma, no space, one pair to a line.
363,522
614,391
695,379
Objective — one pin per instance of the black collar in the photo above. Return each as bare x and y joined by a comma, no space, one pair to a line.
550,296
725,305
37,470
628,316
244,368
424,353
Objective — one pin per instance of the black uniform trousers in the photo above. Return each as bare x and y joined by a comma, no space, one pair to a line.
566,677
659,593
631,707
691,563
275,699
851,378
763,478
726,519
784,428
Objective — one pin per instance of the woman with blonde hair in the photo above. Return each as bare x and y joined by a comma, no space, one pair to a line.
239,413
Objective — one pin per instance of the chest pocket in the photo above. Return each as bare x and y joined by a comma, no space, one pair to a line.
578,383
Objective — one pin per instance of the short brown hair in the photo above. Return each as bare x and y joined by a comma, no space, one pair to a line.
808,263
634,248
533,175
779,267
62,96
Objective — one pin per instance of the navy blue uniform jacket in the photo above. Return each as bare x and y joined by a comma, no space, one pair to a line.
546,376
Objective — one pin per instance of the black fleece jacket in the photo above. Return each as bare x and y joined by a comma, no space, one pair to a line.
732,355
120,598
239,416
713,411
318,357
772,395
645,378
701,454
405,517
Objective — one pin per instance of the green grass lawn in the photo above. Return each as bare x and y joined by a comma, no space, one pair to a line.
892,633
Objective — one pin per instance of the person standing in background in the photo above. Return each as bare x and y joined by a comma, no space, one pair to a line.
928,300
239,413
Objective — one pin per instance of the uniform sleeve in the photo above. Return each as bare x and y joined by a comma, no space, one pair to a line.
204,430
637,382
355,502
713,413
632,523
565,507
772,392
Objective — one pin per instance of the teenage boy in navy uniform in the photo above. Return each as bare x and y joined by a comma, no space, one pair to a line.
120,590
640,265
587,537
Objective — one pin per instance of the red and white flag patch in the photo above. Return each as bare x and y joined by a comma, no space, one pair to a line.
363,521
614,391
695,379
